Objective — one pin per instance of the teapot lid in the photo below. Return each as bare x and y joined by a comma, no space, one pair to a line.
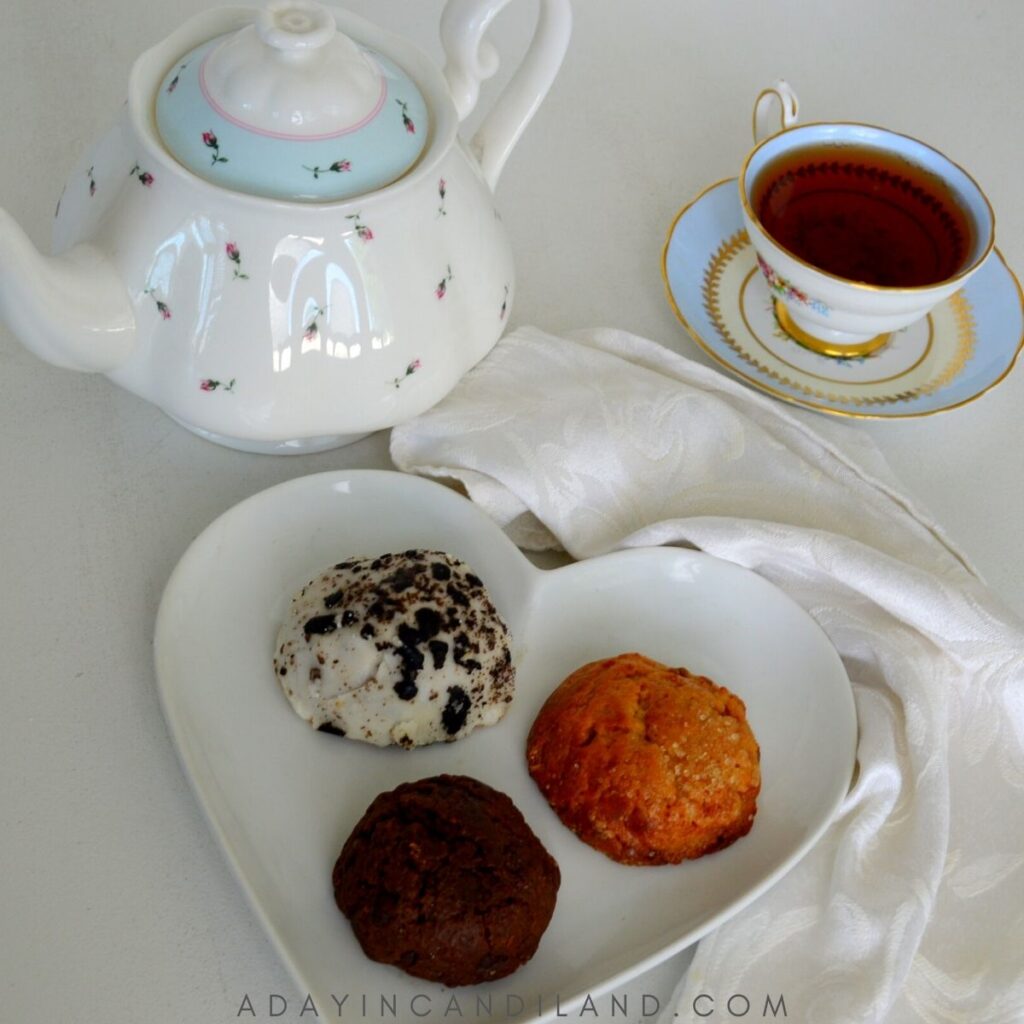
291,108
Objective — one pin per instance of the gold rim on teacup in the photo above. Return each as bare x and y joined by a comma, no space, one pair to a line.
854,330
888,131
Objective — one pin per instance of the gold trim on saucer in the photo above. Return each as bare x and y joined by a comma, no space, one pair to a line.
732,247
826,348
779,333
818,406
965,330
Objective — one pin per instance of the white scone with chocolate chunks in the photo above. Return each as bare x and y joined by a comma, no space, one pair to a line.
403,648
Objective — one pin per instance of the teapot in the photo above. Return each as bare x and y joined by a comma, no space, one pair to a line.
283,242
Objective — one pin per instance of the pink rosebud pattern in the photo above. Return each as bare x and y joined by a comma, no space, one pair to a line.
312,329
161,307
211,143
338,167
442,289
236,257
442,191
209,384
406,119
361,229
173,83
145,178
409,371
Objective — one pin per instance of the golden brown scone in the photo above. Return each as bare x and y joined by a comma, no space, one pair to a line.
646,763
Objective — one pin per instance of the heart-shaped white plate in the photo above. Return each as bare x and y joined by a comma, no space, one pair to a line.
282,798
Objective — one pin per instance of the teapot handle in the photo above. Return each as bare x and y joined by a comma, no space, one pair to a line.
469,59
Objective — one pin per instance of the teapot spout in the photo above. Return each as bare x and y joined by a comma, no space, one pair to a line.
72,310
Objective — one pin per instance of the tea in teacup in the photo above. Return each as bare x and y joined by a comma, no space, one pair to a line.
863,214
859,231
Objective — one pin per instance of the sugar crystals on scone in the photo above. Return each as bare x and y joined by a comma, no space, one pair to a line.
648,764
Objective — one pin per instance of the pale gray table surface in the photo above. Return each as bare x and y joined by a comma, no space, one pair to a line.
115,903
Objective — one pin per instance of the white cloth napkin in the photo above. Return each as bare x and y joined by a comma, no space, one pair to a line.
911,908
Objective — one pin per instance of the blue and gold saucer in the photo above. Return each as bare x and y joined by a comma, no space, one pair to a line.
964,347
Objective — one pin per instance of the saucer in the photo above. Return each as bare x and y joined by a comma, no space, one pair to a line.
964,347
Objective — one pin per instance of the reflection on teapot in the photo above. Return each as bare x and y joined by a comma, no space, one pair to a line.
283,242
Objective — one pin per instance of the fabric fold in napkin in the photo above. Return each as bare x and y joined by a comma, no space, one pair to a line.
911,908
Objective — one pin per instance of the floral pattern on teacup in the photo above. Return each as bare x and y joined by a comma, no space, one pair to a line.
209,384
442,191
787,290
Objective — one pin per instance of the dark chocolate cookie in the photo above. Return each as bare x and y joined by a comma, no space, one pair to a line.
444,879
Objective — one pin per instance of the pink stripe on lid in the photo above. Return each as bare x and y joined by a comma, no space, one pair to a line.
291,137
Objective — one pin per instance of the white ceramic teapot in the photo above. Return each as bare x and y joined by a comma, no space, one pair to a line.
283,242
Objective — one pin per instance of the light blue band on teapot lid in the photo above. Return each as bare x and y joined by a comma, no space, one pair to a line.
290,108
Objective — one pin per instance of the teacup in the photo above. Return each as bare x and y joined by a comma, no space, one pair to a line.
878,227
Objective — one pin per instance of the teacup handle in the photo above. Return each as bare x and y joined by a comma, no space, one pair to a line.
766,120
471,59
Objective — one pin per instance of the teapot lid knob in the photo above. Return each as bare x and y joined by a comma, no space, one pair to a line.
295,26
